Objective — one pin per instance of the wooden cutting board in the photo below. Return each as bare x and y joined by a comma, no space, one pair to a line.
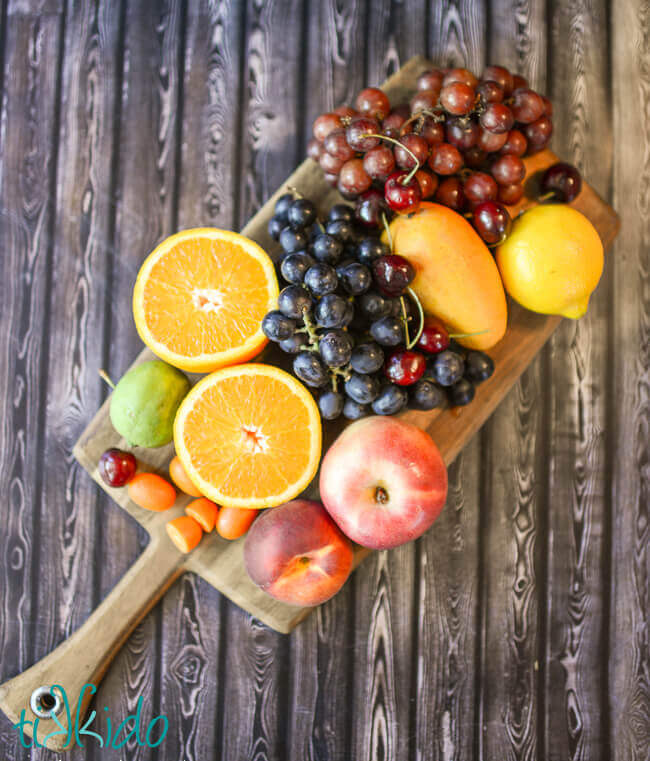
85,656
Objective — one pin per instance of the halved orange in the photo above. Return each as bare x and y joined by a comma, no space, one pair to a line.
200,297
249,436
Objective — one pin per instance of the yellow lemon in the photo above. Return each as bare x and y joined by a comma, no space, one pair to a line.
552,260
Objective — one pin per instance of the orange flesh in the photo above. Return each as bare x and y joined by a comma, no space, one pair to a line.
205,296
248,449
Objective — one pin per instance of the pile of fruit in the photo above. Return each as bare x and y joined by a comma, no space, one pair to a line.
388,303
355,326
459,141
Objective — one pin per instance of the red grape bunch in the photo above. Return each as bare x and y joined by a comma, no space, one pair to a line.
459,142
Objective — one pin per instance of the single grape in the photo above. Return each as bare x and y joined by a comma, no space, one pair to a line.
342,212
548,106
277,326
314,149
294,266
330,404
461,393
370,249
538,134
563,180
445,159
405,367
309,367
490,142
373,102
355,278
393,274
358,130
428,182
281,208
417,145
431,130
510,194
330,164
331,179
369,208
480,187
348,315
459,75
379,162
492,222
363,389
430,80
116,467
275,227
302,213
457,98
292,240
336,144
527,105
447,368
434,337
293,301
353,178
335,348
478,366
425,395
508,170
321,279
450,193
354,411
330,311
518,82
293,344
327,248
395,119
375,306
345,111
461,133
325,124
497,118
341,230
490,92
402,196
390,400
501,76
387,331
367,358
424,100
516,143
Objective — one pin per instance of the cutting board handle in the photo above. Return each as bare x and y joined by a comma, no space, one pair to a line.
85,656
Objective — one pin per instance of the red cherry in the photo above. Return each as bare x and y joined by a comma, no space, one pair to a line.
434,338
402,197
117,467
492,222
405,367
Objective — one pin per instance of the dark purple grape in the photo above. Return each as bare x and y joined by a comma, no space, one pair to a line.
330,311
363,389
355,278
277,326
321,279
302,213
330,404
425,395
335,348
447,367
354,411
369,208
294,301
390,400
367,358
388,331
294,266
461,393
478,366
341,211
310,369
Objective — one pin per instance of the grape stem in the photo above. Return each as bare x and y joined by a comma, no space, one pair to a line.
105,377
310,329
411,174
387,228
437,116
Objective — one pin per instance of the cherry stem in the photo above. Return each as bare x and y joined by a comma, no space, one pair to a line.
387,228
104,376
409,177
468,335
416,338
405,320
546,196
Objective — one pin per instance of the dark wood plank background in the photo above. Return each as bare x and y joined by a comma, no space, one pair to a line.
518,627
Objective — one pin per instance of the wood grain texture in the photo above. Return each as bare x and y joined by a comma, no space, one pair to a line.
28,165
629,632
574,689
513,443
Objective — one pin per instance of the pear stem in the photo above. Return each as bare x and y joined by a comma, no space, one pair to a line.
104,376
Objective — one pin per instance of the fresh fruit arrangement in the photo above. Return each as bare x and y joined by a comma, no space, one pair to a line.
355,326
459,141
386,304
